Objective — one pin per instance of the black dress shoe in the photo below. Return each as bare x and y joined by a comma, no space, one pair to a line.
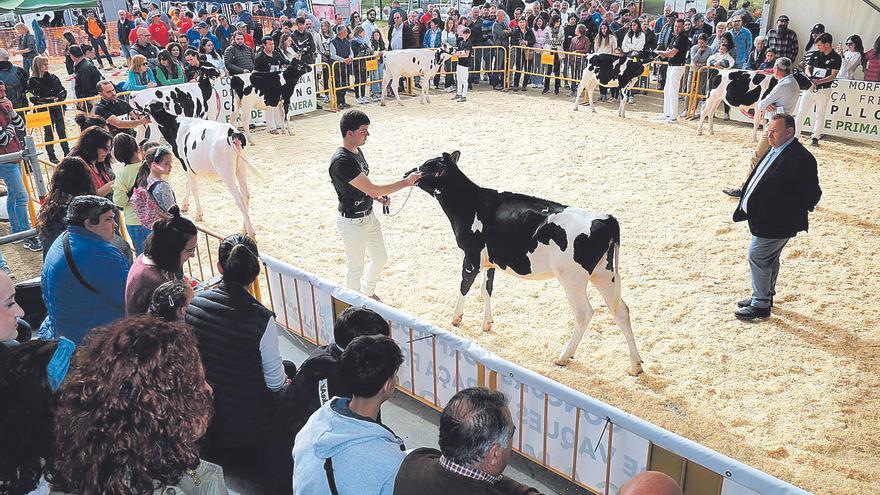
815,142
751,313
546,90
745,303
733,191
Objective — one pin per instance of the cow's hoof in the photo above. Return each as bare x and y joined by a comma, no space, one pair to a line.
199,217
561,362
184,208
636,370
382,104
575,108
487,326
456,320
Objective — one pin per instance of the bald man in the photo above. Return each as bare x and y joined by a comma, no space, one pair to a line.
650,483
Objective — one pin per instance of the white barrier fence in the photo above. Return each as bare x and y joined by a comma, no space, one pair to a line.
559,428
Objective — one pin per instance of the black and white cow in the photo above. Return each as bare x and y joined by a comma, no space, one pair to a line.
198,100
534,239
267,91
412,62
603,69
741,89
207,148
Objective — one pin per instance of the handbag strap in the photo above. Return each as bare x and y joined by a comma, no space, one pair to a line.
68,255
331,481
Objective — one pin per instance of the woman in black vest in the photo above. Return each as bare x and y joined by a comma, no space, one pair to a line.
239,348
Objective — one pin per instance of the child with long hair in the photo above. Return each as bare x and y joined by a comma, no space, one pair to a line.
152,197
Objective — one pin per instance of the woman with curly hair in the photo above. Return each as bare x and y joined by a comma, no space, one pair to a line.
172,242
29,374
94,147
70,179
131,412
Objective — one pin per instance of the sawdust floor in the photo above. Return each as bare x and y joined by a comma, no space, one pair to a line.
795,396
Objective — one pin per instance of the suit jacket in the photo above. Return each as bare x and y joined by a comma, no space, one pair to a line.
789,189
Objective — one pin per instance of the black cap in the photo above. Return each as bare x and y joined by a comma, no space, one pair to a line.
783,17
818,28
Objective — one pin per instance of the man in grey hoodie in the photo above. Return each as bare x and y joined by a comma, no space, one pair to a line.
344,445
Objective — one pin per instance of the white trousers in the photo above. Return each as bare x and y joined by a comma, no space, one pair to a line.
362,236
670,91
461,76
820,98
273,119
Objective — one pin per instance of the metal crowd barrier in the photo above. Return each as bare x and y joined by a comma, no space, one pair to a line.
587,442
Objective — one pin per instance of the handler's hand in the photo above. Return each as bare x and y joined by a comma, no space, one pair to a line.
412,178
384,200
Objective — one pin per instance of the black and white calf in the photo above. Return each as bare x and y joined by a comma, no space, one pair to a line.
534,239
207,149
198,100
267,91
741,89
610,71
412,62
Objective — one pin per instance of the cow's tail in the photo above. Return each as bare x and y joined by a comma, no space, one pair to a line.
239,141
613,260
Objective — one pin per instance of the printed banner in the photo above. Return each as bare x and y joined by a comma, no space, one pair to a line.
303,100
592,451
629,457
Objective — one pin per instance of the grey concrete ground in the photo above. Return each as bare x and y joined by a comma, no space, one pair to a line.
418,426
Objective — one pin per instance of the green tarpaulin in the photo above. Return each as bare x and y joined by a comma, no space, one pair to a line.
31,6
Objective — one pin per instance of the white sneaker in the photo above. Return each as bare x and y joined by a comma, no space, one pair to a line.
450,89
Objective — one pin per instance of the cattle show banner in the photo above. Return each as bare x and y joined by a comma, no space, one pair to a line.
854,111
303,100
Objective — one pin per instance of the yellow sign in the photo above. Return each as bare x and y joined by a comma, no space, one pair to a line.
647,71
36,120
455,58
373,64
547,58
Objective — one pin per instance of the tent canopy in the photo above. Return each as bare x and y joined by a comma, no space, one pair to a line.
31,6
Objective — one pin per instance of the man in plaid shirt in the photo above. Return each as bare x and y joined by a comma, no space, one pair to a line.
782,40
476,437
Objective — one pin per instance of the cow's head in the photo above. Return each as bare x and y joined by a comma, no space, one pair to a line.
296,69
443,53
633,66
438,173
208,72
167,122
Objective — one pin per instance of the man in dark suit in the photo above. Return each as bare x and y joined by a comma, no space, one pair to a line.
776,199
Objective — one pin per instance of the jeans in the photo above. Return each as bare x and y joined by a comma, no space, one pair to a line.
554,70
125,51
764,266
100,43
16,199
341,79
377,75
57,116
26,64
138,234
362,236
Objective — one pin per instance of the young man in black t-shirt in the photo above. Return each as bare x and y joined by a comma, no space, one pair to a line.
360,229
822,69
462,69
679,46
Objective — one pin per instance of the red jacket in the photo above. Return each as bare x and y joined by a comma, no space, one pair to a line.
133,36
185,25
159,34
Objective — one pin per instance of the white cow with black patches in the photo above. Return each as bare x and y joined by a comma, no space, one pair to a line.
413,62
208,149
533,239
741,89
610,71
198,100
